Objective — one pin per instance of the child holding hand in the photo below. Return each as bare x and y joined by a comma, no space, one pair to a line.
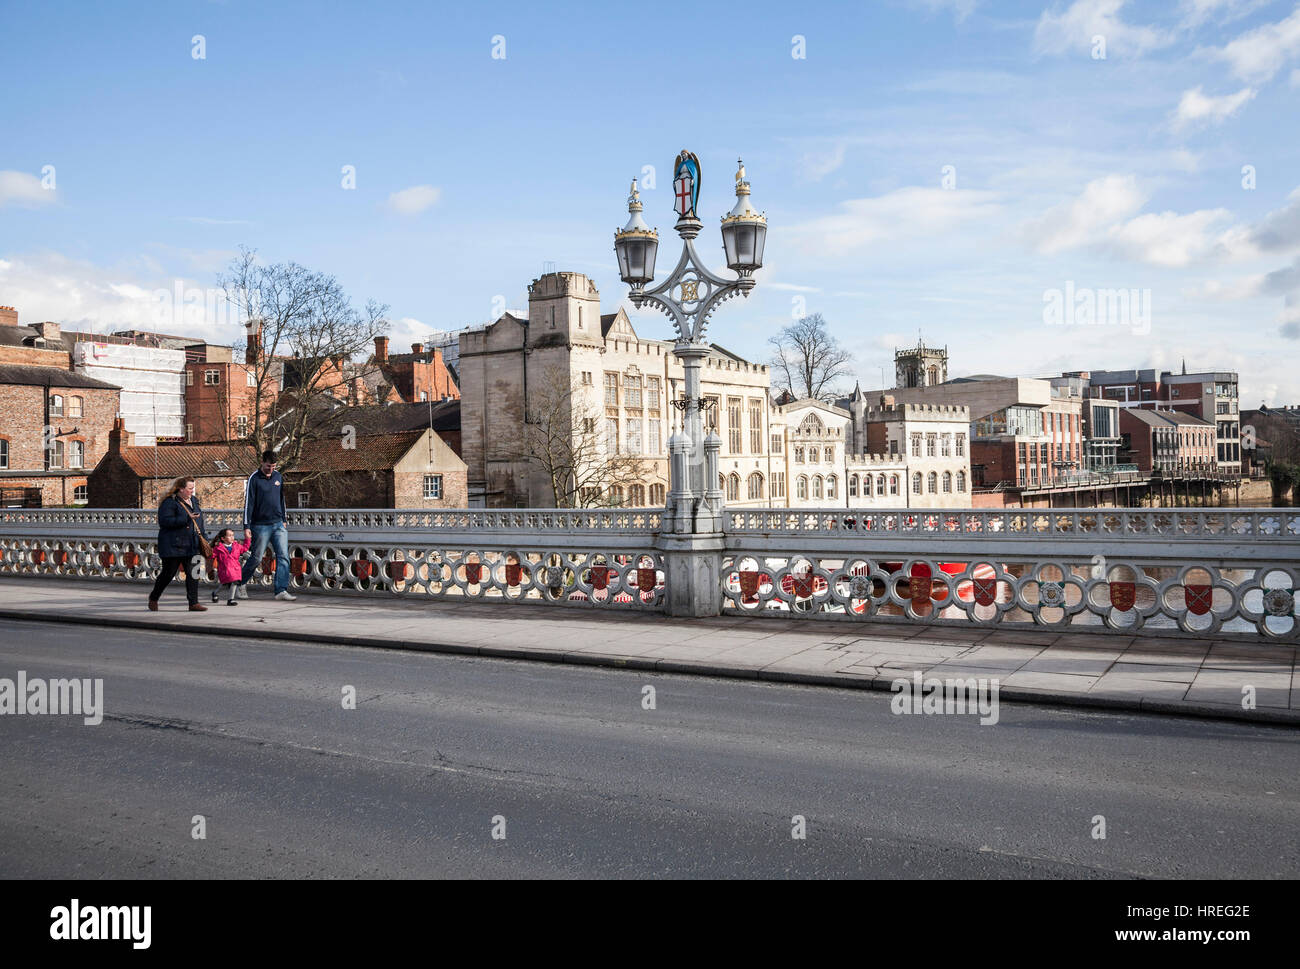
226,552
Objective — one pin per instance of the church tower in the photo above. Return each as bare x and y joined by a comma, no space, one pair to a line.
920,366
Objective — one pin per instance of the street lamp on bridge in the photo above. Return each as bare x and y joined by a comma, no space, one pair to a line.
688,297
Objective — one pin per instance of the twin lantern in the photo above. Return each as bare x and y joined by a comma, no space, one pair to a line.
744,231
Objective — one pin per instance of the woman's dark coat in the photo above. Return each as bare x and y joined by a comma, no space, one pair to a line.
176,535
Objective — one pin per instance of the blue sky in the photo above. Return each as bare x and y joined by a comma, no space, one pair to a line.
473,172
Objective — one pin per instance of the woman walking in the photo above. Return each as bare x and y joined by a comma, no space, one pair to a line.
180,538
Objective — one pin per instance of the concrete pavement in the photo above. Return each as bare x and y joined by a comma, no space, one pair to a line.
1151,674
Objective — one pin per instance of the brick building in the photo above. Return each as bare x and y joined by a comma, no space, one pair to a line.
419,376
138,477
79,412
407,469
221,397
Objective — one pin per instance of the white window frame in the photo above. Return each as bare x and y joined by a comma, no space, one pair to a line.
432,487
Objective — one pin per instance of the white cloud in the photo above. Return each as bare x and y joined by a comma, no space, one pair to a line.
84,296
961,9
1196,107
1104,201
20,188
816,165
1107,216
1072,30
410,201
904,213
1259,54
792,288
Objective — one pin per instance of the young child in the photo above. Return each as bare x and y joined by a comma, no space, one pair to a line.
226,553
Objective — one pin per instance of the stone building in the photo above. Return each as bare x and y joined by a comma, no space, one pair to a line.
596,379
927,443
54,427
920,366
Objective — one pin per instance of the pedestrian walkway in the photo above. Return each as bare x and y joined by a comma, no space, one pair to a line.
1158,675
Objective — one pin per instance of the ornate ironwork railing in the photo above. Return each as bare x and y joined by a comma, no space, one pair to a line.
596,559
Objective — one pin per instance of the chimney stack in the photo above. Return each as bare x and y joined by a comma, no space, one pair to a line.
119,437
253,348
48,331
381,349
8,316
416,348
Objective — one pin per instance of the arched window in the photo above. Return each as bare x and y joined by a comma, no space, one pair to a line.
916,483
636,495
933,482
961,481
880,485
657,494
947,482
833,487
801,489
616,495
817,486
733,487
56,405
893,484
830,455
853,486
755,485
74,406
812,424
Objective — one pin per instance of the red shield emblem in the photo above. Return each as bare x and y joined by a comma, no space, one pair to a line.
600,577
1123,595
986,591
645,580
749,585
921,588
473,572
268,564
1198,598
106,559
514,574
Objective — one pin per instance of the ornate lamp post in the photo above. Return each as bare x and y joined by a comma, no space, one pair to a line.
688,297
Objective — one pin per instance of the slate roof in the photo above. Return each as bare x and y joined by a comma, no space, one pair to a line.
54,376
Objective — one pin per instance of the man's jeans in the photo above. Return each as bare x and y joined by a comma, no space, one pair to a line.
278,536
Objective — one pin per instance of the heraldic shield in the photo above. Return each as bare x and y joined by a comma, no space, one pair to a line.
986,590
1123,595
1199,598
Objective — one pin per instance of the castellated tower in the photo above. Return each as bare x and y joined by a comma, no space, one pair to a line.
564,307
920,366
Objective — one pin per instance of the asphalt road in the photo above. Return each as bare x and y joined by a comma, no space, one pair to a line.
253,736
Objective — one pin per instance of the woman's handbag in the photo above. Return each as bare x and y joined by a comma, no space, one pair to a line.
204,547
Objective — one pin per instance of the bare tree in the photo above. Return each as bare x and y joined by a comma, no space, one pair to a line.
304,334
808,360
564,436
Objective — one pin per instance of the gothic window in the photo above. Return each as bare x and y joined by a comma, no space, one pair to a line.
829,455
916,483
657,494
893,484
616,495
961,445
734,430
933,482
832,486
611,435
853,486
929,445
916,445
652,393
636,495
733,487
611,390
632,390
880,485
945,445
801,487
798,455
961,481
817,486
755,485
947,482
756,427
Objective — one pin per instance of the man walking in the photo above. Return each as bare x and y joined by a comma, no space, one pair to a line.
265,521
